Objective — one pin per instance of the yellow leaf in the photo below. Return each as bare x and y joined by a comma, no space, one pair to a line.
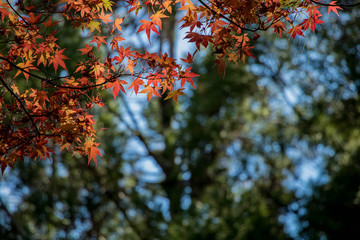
94,25
107,5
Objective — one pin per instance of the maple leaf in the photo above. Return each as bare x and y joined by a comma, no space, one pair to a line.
117,23
107,4
97,69
221,67
189,58
15,89
187,77
50,23
135,84
117,85
155,79
57,59
42,57
189,6
156,18
126,52
93,153
311,22
114,42
84,10
135,6
32,19
279,27
99,40
94,25
199,39
167,5
27,66
333,7
147,26
130,66
151,91
105,18
86,50
297,30
175,94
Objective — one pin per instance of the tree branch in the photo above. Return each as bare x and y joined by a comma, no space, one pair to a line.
334,5
136,132
228,19
54,84
21,105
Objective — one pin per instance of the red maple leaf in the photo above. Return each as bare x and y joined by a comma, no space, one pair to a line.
333,7
199,39
297,30
117,85
135,84
311,22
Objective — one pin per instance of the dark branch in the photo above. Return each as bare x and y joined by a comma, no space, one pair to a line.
55,84
21,105
228,19
334,5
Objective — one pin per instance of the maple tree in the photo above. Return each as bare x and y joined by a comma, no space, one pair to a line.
56,110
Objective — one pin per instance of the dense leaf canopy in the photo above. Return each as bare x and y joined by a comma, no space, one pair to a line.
46,97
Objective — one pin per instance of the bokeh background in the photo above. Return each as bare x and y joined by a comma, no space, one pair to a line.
270,151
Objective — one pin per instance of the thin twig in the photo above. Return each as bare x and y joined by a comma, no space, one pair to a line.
55,84
228,19
21,105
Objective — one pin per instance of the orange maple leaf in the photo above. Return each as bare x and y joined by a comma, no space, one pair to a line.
58,59
151,91
86,50
117,23
25,66
97,69
93,153
117,85
147,26
156,18
130,66
135,84
99,40
114,42
105,18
